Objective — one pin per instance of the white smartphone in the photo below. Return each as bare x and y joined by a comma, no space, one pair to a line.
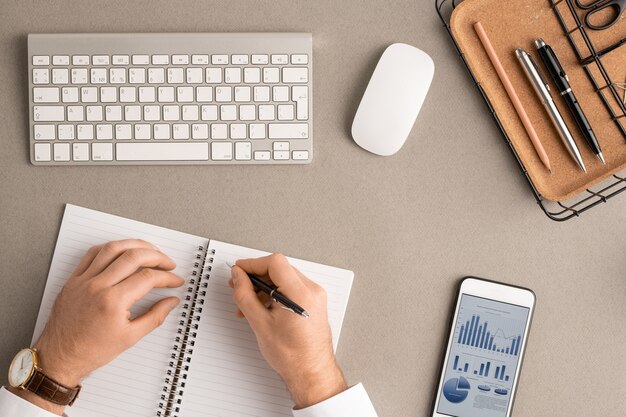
486,345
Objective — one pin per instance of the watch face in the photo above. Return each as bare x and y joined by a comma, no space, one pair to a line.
21,368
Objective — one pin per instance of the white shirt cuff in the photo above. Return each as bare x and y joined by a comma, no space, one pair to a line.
352,402
13,406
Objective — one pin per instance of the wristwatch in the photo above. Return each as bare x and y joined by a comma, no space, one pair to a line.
25,373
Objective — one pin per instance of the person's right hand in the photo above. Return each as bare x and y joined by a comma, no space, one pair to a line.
299,349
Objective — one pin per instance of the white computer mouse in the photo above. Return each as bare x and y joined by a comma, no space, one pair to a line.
392,100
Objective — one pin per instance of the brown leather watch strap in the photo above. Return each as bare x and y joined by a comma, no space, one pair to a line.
50,390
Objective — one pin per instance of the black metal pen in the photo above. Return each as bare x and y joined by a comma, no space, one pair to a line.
278,297
561,81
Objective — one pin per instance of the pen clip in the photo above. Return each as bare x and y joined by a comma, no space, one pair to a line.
534,64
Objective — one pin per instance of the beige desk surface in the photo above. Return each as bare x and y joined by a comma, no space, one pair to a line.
450,204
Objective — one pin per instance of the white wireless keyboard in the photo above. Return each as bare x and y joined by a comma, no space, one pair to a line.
131,99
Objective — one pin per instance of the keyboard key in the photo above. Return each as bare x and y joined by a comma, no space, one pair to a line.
151,113
223,94
49,113
160,59
102,151
80,152
121,60
70,94
219,131
271,75
295,75
280,146
42,152
45,132
141,60
243,151
280,59
288,131
114,113
62,152
239,59
285,112
262,155
228,112
66,132
299,59
104,132
238,131
219,59
252,75
147,94
143,132
257,131
194,75
75,113
162,151
261,93
84,132
100,60
60,76
247,112
300,94
162,131
190,113
156,75
41,76
180,59
61,60
181,131
128,94
132,113
171,113
209,112
221,151
108,94
166,94
200,59
213,75
137,75
46,95
184,94
175,76
281,155
300,155
280,93
79,76
123,132
204,94
94,113
200,131
117,75
89,94
80,60
232,75
260,60
267,112
242,94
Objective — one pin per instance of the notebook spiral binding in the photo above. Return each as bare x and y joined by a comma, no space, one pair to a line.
180,358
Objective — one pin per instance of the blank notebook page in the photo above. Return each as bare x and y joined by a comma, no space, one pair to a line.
228,377
131,385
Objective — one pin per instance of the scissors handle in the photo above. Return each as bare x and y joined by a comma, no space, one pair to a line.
616,8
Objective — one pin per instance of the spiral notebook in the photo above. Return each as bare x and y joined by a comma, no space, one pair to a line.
203,360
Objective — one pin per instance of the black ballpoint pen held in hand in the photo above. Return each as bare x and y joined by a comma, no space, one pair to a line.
285,302
561,81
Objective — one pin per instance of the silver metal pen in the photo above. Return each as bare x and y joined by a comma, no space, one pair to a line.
543,92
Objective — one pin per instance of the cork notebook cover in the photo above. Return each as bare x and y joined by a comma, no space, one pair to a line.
516,24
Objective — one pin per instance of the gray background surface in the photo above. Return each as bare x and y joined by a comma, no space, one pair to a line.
451,203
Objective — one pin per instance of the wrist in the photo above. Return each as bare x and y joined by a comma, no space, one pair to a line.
57,366
312,387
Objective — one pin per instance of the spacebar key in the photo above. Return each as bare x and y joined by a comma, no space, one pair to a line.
162,151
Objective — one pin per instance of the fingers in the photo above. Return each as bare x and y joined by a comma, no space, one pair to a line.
111,251
246,299
136,286
283,275
133,259
152,319
86,260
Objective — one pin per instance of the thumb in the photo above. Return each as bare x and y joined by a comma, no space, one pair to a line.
153,318
245,297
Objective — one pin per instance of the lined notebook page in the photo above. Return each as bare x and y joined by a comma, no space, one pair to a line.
131,385
228,376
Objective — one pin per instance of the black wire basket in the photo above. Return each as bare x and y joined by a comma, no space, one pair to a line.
606,89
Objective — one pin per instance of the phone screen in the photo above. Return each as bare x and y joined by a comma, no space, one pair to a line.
484,357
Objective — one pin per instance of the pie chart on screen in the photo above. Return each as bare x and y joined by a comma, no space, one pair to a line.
456,389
